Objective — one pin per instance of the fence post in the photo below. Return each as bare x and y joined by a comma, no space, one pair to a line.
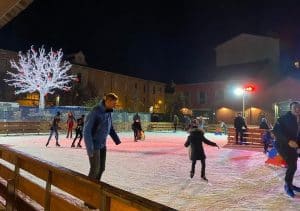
11,187
48,191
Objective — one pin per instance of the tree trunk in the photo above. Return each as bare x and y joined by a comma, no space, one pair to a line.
42,101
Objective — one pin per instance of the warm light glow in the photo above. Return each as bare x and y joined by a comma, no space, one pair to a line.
186,111
249,88
159,102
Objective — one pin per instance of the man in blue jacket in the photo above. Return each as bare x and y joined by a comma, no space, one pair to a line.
97,127
286,131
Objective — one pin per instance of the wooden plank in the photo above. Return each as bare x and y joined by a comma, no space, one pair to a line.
31,189
58,203
21,203
117,205
5,172
87,190
132,199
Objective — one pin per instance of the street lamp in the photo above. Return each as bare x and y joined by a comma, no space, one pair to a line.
242,91
239,91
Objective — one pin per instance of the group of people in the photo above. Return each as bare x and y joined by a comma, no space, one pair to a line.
70,124
98,125
285,136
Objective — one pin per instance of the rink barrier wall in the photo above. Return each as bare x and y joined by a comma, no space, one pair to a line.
161,126
251,136
29,183
44,127
38,127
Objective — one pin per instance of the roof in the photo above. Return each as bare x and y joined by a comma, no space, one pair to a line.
11,8
244,36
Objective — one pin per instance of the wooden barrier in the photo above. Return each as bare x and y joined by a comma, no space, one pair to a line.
213,128
19,186
22,127
158,126
251,136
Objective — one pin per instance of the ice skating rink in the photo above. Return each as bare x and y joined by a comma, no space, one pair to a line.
158,169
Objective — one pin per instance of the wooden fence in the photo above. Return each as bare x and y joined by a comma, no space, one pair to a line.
24,127
19,186
251,136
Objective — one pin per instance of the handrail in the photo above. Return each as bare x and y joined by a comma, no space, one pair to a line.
95,193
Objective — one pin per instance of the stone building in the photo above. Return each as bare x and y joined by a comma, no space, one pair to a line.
243,60
136,95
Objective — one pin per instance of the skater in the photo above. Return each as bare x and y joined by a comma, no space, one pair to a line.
239,123
79,128
268,140
97,126
175,122
137,130
223,127
195,140
54,129
286,131
264,124
70,124
201,122
136,117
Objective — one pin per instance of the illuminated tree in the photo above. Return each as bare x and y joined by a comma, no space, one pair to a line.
40,72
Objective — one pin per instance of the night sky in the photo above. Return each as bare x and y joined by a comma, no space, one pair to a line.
154,40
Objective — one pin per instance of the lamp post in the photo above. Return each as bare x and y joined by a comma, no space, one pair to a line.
242,91
239,91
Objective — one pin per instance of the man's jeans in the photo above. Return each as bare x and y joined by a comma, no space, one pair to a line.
53,130
97,163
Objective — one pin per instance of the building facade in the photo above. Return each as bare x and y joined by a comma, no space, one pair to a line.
246,59
136,95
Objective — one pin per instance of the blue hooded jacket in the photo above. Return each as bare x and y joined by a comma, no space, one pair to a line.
97,127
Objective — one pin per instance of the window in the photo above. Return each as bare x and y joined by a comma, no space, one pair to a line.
135,85
153,91
187,98
144,88
202,97
219,95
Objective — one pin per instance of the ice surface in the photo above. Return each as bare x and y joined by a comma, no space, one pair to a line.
158,169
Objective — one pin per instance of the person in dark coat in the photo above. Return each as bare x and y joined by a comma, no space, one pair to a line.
239,123
175,122
136,117
264,124
137,129
78,129
286,131
195,140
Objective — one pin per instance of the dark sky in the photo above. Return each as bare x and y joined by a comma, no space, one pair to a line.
154,40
